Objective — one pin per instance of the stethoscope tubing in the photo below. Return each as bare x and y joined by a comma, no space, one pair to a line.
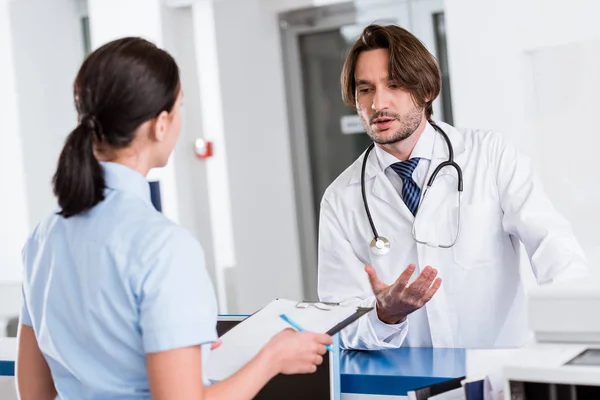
448,163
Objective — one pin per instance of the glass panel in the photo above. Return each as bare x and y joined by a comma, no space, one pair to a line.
439,24
85,31
331,151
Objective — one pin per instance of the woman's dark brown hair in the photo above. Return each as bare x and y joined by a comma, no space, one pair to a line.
411,65
121,85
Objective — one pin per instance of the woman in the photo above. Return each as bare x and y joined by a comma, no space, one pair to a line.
117,302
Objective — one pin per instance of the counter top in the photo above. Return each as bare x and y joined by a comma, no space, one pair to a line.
396,371
386,372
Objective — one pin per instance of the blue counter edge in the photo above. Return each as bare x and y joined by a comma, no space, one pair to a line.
358,384
7,368
386,385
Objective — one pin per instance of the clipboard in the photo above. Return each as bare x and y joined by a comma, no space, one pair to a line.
325,306
241,343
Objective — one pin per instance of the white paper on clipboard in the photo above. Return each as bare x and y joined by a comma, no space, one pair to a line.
241,343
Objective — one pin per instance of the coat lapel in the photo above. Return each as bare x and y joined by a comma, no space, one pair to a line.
380,188
383,190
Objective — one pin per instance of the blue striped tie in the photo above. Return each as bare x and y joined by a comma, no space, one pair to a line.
411,193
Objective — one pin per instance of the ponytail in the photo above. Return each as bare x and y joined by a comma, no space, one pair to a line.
79,178
120,86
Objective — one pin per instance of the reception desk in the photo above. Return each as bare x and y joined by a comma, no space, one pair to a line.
377,375
392,373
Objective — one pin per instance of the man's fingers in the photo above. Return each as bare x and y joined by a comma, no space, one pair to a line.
422,283
216,344
419,283
432,290
404,277
376,284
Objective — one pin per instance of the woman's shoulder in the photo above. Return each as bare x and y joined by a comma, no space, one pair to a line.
134,221
163,233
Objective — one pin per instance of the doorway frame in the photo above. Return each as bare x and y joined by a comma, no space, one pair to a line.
292,25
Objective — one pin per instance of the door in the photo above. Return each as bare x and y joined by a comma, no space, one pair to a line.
326,135
331,146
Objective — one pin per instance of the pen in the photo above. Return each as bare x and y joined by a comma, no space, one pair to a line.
296,326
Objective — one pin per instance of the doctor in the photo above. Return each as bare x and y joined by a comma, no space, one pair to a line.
428,194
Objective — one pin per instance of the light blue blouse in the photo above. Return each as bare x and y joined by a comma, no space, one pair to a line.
104,288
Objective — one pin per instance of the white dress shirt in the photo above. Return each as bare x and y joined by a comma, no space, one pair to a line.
423,150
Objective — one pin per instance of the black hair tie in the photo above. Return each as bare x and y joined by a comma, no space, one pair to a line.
91,124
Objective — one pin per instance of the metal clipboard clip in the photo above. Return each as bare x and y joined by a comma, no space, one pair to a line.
321,305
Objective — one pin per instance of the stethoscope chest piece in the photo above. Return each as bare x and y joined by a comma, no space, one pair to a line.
380,245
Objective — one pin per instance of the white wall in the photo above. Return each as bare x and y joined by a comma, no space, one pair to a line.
13,201
47,49
37,113
498,51
196,197
561,114
258,154
112,19
277,6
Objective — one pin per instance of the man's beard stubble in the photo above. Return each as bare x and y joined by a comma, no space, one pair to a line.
408,125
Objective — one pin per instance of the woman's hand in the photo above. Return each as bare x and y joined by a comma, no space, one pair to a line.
293,352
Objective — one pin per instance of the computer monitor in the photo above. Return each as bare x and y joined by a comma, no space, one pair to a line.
320,385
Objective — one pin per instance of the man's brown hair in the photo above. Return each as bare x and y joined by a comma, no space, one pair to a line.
411,65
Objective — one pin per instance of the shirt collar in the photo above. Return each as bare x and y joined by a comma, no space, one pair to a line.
120,177
423,149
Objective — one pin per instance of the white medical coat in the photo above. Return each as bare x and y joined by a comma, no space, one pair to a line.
481,302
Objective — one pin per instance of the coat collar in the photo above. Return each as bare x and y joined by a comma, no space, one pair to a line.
440,152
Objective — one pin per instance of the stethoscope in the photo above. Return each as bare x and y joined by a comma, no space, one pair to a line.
380,244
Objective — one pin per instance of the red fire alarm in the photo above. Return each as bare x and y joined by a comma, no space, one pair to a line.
203,149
